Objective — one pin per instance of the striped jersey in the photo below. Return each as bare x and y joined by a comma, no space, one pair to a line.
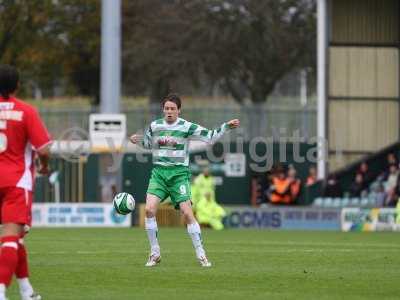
170,142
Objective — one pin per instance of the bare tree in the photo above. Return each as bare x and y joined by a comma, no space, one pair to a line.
256,43
249,45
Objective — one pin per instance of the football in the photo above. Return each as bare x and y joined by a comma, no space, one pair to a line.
124,203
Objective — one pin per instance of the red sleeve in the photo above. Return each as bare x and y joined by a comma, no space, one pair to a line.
38,135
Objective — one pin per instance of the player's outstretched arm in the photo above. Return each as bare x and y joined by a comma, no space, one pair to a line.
211,136
136,138
235,123
143,140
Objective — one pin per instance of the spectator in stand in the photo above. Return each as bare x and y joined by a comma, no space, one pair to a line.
357,187
396,195
367,175
332,188
391,160
260,184
280,188
266,186
312,176
295,184
378,193
390,185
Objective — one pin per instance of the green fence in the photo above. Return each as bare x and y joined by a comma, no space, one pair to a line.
79,180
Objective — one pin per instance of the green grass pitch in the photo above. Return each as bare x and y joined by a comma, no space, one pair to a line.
74,264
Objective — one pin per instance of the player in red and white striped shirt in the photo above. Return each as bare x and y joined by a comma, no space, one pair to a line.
22,135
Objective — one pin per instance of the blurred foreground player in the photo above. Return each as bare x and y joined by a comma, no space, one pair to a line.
22,134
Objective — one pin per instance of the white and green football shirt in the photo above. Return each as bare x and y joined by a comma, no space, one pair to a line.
170,142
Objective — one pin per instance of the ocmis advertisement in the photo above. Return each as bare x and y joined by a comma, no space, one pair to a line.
292,218
77,215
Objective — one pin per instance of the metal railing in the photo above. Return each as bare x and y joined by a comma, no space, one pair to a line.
67,184
255,120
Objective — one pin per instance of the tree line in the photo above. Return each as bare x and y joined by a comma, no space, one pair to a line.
243,46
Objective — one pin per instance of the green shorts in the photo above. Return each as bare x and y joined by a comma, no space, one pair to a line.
171,181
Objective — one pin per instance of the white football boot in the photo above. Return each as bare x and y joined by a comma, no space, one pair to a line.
204,262
153,260
31,296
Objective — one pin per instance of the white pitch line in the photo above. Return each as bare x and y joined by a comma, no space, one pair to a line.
211,251
259,242
292,243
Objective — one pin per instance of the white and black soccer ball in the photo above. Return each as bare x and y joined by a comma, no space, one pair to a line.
124,203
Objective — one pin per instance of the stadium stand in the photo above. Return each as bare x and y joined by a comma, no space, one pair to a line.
371,182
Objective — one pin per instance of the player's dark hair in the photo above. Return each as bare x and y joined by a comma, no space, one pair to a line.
9,78
173,98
